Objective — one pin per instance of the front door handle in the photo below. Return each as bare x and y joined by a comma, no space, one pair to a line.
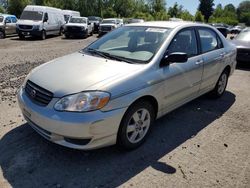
199,62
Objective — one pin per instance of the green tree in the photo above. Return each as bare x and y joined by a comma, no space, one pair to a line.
2,9
199,17
243,12
185,15
175,11
206,8
16,6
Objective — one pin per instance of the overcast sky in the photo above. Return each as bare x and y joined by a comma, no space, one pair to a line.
192,5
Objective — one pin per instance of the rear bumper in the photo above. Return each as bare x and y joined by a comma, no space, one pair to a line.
84,131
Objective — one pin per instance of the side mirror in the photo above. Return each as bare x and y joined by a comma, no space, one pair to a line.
45,19
176,57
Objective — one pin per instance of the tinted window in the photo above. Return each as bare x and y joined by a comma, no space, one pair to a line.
184,41
208,40
13,19
77,20
1,18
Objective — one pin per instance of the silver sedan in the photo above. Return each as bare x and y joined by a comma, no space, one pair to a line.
112,91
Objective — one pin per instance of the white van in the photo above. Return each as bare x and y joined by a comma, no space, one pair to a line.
69,13
40,21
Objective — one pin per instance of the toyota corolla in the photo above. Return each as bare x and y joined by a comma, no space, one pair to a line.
112,91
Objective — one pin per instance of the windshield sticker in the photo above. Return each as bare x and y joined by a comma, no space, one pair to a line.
157,30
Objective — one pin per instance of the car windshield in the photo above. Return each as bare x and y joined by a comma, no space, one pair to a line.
77,20
32,15
244,35
93,18
108,21
1,19
133,44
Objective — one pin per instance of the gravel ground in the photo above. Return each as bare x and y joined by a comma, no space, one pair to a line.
205,143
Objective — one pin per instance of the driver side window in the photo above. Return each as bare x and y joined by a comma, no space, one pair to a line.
185,42
8,20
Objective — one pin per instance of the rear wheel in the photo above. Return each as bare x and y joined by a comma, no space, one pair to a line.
135,125
221,85
2,35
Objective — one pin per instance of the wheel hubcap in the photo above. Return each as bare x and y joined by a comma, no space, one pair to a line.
138,125
222,84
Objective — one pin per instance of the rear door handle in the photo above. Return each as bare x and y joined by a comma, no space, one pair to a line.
199,62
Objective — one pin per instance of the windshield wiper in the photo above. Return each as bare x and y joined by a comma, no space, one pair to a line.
100,53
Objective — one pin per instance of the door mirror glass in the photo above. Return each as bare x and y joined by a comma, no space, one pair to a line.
176,57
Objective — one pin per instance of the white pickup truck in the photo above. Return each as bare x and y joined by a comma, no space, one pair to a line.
109,24
78,27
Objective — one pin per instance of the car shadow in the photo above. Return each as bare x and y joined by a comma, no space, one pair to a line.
31,38
27,160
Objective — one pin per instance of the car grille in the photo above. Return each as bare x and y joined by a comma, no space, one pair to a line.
106,28
37,94
26,27
74,29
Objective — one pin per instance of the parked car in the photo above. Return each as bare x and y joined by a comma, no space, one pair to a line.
135,20
223,30
69,13
78,26
96,21
40,21
7,25
108,25
242,42
236,30
112,91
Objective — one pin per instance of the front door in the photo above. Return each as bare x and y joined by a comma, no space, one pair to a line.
183,80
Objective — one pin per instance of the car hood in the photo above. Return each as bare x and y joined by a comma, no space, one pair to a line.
108,24
28,22
79,72
75,24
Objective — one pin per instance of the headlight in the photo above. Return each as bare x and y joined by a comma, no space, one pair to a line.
83,28
83,102
36,27
113,27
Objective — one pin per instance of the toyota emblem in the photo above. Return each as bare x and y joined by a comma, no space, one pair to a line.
33,93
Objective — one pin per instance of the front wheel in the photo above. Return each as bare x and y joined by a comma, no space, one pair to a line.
43,37
221,85
2,35
135,125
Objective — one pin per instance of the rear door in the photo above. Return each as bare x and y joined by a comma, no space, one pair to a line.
9,26
182,80
213,56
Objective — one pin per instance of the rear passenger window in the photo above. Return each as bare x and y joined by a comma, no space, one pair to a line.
208,39
184,41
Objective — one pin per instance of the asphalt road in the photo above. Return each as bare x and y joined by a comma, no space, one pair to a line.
205,143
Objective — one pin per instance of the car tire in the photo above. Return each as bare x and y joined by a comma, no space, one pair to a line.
21,36
60,31
135,125
91,34
221,85
43,37
2,35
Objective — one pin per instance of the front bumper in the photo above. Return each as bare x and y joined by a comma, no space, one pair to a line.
84,131
33,32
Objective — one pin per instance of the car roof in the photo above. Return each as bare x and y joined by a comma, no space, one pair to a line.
5,15
168,24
